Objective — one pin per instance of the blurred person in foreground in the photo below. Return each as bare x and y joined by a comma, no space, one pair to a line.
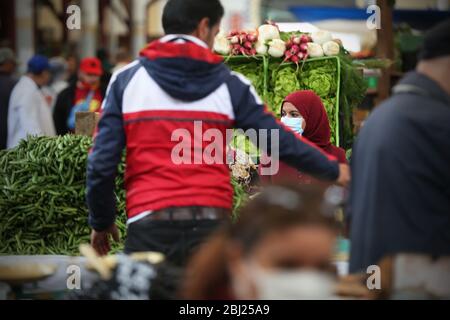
29,113
7,82
57,83
177,83
400,195
85,94
105,58
281,248
59,75
73,63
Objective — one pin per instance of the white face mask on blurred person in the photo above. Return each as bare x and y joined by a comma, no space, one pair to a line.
293,285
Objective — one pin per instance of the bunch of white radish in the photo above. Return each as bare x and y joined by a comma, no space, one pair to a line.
269,40
222,45
323,44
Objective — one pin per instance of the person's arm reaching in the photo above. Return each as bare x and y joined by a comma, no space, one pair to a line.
102,170
296,151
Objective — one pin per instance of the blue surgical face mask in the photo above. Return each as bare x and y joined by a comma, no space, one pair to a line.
295,124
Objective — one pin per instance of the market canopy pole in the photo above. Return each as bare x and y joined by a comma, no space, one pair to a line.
138,27
90,21
24,11
385,47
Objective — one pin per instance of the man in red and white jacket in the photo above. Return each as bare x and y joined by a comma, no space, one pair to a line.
176,82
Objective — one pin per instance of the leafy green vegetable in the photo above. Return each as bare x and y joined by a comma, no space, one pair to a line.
243,143
283,81
330,107
320,77
285,36
353,91
252,69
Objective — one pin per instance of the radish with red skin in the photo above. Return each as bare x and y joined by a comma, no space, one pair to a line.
252,38
248,45
288,54
304,47
304,39
243,51
295,59
296,40
253,51
295,49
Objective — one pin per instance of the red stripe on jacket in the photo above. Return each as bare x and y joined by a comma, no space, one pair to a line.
153,179
161,50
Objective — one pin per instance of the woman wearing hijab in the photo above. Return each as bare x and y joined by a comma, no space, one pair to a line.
304,113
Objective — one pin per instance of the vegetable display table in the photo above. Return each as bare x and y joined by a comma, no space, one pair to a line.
44,277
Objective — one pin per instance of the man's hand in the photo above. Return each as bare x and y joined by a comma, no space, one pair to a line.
344,175
100,239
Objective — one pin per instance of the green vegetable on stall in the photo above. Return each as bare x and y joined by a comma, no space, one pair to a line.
283,82
252,69
42,197
320,77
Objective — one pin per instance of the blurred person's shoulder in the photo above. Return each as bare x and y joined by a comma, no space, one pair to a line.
7,81
125,71
25,86
124,68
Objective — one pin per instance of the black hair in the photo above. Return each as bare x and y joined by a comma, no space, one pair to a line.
183,16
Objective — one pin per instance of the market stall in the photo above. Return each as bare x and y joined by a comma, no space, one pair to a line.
279,63
43,180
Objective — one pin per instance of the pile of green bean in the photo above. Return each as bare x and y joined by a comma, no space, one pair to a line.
42,197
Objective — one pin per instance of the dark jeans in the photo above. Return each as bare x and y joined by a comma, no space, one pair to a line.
176,239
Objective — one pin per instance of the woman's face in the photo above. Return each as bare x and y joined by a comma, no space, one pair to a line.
288,250
290,111
297,247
